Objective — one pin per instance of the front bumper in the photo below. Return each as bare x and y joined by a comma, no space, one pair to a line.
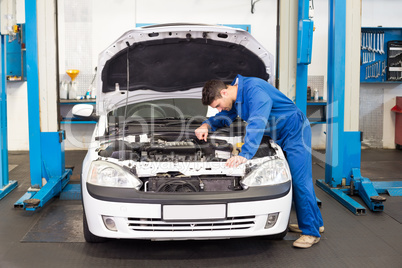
140,215
128,195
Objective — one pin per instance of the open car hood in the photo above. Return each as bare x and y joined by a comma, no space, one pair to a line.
168,61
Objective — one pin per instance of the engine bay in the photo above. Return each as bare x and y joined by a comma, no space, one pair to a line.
155,149
168,148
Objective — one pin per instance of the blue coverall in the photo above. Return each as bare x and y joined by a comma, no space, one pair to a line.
269,112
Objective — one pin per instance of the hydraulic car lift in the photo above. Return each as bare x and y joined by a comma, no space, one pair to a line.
343,148
46,149
6,186
342,171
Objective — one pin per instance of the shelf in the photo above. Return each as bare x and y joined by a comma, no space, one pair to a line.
73,102
319,102
65,111
77,122
374,54
316,112
317,122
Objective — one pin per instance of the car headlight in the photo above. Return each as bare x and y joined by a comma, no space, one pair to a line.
104,173
272,172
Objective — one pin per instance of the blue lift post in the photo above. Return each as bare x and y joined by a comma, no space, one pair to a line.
46,149
343,153
304,51
6,186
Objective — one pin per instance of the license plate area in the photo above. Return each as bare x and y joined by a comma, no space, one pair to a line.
194,212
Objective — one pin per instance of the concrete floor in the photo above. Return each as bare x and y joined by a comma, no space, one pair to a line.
52,236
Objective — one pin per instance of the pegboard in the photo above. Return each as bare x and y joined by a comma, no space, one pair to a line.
374,54
78,43
316,82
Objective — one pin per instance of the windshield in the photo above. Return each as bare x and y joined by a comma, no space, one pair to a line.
166,108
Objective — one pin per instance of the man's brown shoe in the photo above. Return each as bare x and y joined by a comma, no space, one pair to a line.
295,228
306,241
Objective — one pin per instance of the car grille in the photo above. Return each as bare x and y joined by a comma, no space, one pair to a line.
158,225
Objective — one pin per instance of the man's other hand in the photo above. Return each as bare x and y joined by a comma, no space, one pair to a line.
202,132
234,161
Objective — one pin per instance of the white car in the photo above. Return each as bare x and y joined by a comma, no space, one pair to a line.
146,175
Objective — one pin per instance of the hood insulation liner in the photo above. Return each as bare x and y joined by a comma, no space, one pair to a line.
179,64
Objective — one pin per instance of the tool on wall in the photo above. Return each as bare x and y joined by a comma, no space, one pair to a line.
394,61
372,51
373,41
375,70
381,55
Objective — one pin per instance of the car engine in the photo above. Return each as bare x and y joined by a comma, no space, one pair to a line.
166,148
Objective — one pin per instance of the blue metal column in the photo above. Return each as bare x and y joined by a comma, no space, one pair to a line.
304,49
35,154
343,149
336,92
46,149
6,186
335,167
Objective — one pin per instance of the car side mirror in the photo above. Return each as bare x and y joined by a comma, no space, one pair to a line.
85,111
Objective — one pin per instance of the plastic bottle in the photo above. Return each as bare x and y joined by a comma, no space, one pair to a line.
72,93
64,90
316,94
93,92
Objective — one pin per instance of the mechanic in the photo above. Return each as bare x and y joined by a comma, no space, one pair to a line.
269,112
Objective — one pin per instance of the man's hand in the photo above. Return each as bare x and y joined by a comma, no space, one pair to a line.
234,161
202,132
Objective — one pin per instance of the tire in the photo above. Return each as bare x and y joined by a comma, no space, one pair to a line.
90,237
398,147
279,236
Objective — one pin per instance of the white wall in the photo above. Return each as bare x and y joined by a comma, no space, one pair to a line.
111,18
17,103
17,116
106,20
318,64
374,13
319,56
390,93
263,21
386,14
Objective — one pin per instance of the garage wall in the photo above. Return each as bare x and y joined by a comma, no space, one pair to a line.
17,103
110,18
17,116
381,130
88,28
376,120
317,70
85,29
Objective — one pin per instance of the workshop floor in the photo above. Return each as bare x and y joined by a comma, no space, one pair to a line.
52,236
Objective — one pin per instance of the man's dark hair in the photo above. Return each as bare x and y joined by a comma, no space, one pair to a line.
212,91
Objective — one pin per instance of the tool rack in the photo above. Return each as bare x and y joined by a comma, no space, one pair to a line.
381,55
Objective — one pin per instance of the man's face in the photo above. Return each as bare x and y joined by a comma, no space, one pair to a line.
223,103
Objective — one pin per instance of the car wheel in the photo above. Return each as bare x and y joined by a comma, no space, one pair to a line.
279,236
90,237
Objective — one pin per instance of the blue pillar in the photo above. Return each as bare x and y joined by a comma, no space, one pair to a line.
46,149
343,149
336,93
35,154
6,186
304,49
